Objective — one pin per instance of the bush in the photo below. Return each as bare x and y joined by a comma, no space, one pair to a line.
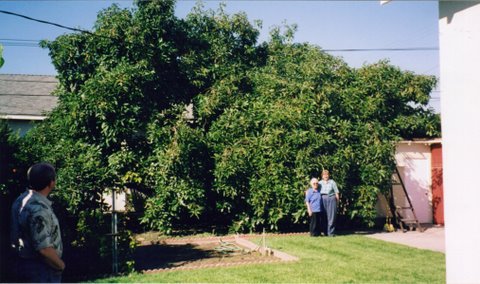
12,183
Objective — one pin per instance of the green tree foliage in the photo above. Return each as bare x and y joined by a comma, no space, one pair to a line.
10,161
2,61
179,169
304,111
12,183
266,118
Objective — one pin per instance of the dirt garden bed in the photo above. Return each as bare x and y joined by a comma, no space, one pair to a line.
152,256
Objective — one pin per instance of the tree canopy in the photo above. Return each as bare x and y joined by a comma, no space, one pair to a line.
266,117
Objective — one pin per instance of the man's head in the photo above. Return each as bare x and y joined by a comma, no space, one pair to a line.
40,176
314,183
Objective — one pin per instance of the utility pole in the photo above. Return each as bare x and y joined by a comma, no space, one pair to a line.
114,235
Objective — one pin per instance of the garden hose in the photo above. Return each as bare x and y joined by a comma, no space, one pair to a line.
226,247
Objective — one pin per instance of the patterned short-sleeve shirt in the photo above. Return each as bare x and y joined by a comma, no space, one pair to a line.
34,225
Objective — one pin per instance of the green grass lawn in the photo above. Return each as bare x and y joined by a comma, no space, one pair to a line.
350,258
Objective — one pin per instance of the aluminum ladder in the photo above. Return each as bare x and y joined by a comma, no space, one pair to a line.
400,201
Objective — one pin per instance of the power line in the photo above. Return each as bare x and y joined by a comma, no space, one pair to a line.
14,39
30,42
29,81
382,49
99,0
45,22
20,45
19,42
35,43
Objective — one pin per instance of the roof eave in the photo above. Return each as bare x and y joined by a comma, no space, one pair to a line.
22,117
421,141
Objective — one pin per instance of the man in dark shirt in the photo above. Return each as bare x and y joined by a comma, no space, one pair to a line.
35,231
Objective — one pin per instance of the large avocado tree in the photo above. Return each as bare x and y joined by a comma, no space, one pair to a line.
264,119
301,112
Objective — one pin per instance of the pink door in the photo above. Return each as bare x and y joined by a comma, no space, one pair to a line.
437,184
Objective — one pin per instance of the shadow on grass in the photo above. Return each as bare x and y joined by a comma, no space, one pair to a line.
169,256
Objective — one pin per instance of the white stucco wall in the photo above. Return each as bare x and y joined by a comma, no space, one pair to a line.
414,164
459,27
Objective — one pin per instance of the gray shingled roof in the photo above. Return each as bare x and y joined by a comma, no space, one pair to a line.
26,96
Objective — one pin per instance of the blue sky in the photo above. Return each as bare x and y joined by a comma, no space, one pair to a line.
328,24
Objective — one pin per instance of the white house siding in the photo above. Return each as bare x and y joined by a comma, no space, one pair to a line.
20,126
121,200
459,27
414,164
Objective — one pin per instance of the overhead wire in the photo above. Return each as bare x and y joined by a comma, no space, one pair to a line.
44,22
30,44
19,42
35,43
50,23
381,49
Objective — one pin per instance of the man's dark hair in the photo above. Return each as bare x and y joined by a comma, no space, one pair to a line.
40,175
